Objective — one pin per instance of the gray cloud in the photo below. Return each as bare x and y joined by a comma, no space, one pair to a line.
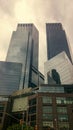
53,11
38,12
7,6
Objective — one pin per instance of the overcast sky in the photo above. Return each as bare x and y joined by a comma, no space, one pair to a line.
38,12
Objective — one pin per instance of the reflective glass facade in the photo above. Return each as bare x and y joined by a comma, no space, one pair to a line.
56,40
24,49
51,89
36,78
10,74
62,65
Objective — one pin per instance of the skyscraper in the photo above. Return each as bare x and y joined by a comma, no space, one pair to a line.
24,49
56,40
10,74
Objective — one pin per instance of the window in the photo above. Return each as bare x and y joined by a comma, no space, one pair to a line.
32,110
33,123
48,117
69,100
47,99
47,109
33,117
47,113
63,126
32,102
34,77
1,107
48,123
63,118
0,120
41,80
1,114
61,109
61,100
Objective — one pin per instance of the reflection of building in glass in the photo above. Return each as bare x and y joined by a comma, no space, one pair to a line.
36,78
56,76
24,49
10,74
62,65
56,40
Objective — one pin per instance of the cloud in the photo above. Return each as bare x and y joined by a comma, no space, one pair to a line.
7,6
38,12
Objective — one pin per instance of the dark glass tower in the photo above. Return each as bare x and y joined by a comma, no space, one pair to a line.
56,40
10,74
24,49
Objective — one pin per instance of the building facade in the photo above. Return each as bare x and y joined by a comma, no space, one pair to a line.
55,113
63,67
48,107
24,49
56,40
10,75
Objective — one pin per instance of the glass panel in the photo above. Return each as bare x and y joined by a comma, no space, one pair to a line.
63,125
69,100
60,100
48,117
41,80
10,74
48,123
1,114
32,102
34,78
33,117
3,98
47,99
47,109
52,89
63,117
1,108
61,109
32,110
0,120
33,123
63,100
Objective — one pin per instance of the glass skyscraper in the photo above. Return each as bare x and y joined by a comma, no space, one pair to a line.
24,46
56,40
10,74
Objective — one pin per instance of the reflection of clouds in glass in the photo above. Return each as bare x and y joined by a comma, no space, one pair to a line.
18,47
23,50
34,78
